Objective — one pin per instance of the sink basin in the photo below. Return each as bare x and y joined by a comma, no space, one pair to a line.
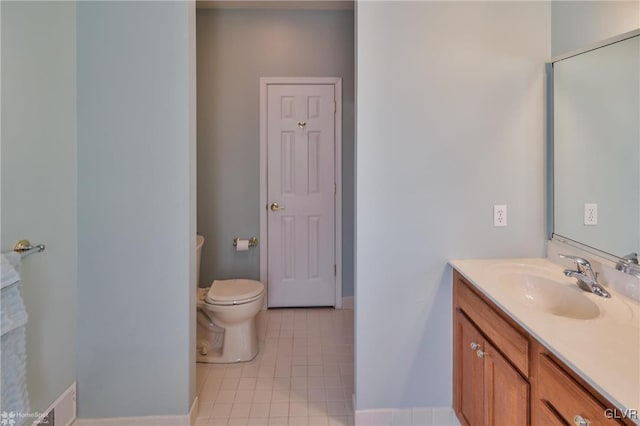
548,295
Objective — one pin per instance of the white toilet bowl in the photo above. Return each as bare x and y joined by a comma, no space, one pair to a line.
226,321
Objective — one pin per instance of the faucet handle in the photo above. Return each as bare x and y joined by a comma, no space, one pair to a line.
579,261
582,264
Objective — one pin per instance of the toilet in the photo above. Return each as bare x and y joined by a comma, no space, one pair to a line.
226,320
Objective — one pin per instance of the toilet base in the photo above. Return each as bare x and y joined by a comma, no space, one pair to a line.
216,357
238,343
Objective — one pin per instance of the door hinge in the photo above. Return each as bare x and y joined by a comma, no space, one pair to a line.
335,188
335,107
335,270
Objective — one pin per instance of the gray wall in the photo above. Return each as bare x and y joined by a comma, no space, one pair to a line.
39,182
136,213
235,48
450,122
578,24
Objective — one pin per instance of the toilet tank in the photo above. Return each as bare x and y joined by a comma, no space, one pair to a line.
199,243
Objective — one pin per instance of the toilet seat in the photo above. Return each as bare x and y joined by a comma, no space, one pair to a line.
234,292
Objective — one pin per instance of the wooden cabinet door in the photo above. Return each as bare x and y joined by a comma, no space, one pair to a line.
506,392
469,383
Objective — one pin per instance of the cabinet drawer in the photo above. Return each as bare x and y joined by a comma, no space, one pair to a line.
567,397
511,342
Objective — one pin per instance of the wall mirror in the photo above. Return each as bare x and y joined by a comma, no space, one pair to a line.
596,146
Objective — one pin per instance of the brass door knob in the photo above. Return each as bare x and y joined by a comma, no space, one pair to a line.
276,207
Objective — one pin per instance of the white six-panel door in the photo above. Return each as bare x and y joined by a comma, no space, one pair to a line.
301,195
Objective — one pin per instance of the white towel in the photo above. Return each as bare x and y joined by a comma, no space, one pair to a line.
9,269
12,311
13,354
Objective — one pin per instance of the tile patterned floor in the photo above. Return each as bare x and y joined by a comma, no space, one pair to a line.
303,375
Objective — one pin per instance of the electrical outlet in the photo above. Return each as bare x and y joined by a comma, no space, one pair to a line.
590,214
500,215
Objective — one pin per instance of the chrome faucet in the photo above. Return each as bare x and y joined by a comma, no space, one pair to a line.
587,278
629,264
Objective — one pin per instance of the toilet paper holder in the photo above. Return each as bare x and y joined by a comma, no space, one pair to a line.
253,242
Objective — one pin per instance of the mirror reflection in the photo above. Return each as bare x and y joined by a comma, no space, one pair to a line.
596,138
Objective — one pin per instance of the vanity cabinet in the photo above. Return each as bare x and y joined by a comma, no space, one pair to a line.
505,377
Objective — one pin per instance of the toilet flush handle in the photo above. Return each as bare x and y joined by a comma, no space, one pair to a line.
276,207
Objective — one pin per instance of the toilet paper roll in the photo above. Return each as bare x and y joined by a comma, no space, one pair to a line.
242,245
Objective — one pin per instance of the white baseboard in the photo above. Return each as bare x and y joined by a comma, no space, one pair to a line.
184,420
347,302
418,416
64,406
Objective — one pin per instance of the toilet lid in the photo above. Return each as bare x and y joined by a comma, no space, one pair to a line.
233,291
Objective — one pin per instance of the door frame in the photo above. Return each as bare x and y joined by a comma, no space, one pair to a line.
337,160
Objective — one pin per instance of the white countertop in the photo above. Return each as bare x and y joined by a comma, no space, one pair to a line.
604,351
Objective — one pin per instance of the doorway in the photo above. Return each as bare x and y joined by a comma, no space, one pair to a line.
235,48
